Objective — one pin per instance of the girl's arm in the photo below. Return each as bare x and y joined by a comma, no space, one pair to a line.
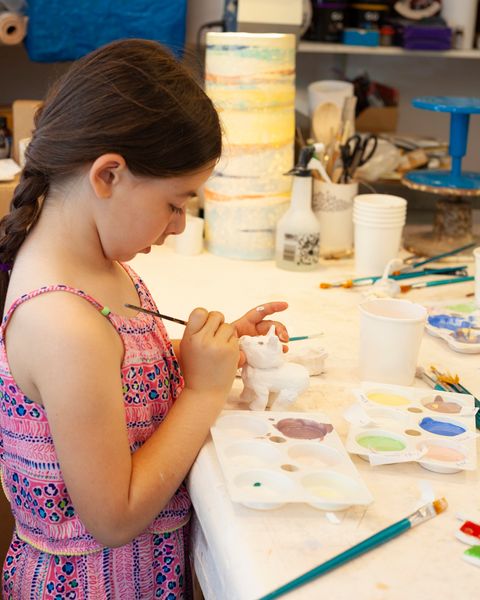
69,357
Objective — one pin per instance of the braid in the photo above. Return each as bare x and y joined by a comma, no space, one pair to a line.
24,211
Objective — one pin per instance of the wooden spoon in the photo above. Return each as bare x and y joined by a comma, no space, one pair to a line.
326,120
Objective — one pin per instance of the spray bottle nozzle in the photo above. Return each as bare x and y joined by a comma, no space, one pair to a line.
301,168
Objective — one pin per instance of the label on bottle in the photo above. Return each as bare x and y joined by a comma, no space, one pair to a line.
301,249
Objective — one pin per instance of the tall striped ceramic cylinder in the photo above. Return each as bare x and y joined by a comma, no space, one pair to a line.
251,80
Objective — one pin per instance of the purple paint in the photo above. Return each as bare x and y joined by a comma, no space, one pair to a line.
304,429
441,427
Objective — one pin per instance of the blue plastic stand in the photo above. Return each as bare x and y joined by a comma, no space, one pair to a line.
460,110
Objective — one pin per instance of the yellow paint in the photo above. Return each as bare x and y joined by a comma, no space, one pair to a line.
323,491
387,399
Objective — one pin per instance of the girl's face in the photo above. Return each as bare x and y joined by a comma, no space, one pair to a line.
146,211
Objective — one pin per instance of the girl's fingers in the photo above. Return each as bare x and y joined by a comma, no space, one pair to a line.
214,321
280,329
260,312
197,319
226,332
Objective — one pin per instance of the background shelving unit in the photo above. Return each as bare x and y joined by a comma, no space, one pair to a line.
321,47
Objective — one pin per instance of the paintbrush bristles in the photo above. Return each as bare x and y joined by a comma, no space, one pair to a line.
440,505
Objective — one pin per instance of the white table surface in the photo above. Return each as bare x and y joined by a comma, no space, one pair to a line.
240,553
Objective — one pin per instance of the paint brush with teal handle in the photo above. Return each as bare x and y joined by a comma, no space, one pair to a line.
424,284
432,509
297,338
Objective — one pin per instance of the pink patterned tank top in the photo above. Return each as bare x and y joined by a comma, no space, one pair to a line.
31,476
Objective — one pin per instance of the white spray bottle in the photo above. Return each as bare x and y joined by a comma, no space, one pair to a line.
297,242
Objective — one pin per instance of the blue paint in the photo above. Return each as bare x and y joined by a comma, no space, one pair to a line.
441,427
452,322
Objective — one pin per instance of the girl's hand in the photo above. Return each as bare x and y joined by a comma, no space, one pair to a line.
210,353
254,323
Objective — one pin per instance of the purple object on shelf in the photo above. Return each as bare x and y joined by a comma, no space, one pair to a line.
418,37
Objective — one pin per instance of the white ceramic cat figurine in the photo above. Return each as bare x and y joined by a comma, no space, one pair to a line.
267,372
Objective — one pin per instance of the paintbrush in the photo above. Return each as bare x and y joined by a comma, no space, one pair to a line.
156,314
360,281
424,284
420,263
430,510
453,384
305,337
433,383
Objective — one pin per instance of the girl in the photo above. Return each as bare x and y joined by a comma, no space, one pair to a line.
100,417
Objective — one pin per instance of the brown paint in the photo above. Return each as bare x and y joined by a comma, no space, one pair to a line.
412,432
304,429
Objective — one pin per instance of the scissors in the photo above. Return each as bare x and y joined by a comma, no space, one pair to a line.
355,153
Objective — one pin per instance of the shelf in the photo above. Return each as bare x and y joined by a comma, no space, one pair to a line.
321,47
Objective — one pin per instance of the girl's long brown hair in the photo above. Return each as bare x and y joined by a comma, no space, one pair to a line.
130,97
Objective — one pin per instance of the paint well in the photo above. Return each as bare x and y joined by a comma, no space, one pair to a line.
445,428
441,453
451,322
438,404
473,552
412,432
329,487
380,443
304,429
388,399
314,455
472,529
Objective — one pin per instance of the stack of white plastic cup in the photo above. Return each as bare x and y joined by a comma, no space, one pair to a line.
378,226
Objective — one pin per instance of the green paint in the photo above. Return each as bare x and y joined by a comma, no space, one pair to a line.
257,484
473,552
380,443
105,311
466,308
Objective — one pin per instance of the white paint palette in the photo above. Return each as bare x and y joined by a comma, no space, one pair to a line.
272,458
392,424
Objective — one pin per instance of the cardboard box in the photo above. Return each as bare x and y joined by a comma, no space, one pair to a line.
6,193
22,113
377,120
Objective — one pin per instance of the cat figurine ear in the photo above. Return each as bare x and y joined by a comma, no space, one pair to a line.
272,339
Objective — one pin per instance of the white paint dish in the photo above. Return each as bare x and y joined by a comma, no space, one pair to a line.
387,418
253,454
460,331
314,455
264,487
439,441
287,457
241,424
441,454
330,490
